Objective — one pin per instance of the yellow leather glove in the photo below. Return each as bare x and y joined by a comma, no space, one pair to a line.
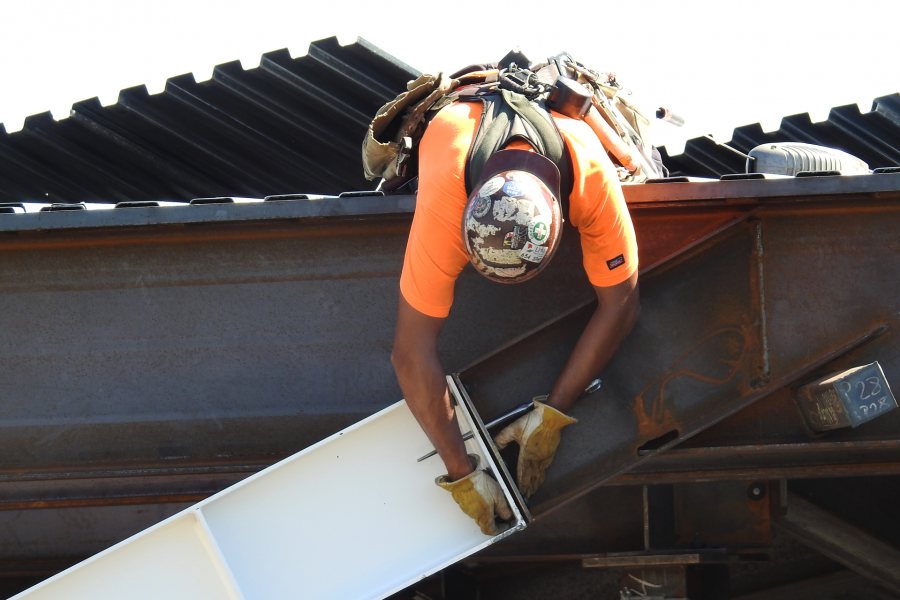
479,496
538,436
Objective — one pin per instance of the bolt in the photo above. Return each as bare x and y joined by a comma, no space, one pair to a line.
756,491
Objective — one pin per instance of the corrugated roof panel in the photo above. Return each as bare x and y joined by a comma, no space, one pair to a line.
295,125
873,136
291,124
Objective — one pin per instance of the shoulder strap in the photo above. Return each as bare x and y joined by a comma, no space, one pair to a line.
509,115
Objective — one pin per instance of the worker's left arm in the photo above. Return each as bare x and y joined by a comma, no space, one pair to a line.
538,433
617,310
598,210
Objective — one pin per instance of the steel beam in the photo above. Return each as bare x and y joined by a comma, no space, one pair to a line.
211,341
850,546
157,353
767,461
763,305
713,351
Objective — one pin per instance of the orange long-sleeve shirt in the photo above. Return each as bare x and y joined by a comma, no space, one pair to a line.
435,253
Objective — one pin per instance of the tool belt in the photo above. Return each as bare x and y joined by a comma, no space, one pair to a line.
514,101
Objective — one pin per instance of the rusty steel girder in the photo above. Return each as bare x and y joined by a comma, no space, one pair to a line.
764,304
156,355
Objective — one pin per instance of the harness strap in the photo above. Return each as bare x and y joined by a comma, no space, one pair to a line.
507,116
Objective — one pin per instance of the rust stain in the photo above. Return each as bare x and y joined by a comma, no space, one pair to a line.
719,357
663,235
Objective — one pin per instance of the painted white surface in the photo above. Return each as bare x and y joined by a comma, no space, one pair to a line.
171,561
353,516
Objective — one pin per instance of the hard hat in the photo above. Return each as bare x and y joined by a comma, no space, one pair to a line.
513,222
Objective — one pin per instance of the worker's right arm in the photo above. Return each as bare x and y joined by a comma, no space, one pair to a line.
421,378
433,260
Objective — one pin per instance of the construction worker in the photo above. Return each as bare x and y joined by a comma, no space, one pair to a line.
490,228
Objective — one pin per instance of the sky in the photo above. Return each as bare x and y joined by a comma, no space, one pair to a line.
718,64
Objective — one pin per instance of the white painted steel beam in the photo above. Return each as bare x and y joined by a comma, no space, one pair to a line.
353,516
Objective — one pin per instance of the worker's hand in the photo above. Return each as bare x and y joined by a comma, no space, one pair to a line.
537,434
479,496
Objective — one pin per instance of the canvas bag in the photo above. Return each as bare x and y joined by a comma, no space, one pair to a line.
388,144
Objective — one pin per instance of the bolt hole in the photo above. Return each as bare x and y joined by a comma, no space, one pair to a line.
657,443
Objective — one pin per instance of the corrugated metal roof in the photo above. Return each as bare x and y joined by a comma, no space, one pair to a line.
290,124
295,125
873,136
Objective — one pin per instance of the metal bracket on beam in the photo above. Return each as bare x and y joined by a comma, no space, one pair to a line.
846,399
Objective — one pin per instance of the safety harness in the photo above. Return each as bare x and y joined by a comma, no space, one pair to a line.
515,107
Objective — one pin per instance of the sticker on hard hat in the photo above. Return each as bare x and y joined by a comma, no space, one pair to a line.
481,207
491,185
515,238
507,273
533,253
505,208
499,256
538,232
480,231
512,188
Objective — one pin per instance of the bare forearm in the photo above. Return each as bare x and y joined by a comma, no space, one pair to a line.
428,398
421,378
598,343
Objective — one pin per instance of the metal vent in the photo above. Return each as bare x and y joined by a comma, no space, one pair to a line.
791,158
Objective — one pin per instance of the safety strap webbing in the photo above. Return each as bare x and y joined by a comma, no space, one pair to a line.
508,115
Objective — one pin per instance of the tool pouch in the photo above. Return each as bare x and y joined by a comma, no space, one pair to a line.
389,141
